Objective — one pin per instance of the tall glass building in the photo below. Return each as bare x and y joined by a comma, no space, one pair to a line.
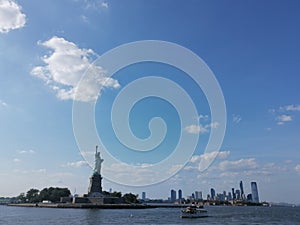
242,190
254,191
173,195
143,195
180,194
212,193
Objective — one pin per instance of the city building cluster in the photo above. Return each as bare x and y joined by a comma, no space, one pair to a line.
233,196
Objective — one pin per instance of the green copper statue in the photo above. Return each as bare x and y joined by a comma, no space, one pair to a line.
98,161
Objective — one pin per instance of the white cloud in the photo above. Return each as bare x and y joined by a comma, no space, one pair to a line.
16,160
77,164
283,118
272,111
297,168
26,152
39,171
290,108
229,174
11,16
3,104
203,127
64,68
195,129
204,161
213,125
95,4
138,175
209,156
248,167
84,18
202,117
246,173
285,113
239,164
104,5
174,168
229,171
236,118
200,129
239,168
288,161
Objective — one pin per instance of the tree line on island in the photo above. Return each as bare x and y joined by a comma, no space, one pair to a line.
53,194
128,197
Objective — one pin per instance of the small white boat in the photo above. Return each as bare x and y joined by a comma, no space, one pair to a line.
194,212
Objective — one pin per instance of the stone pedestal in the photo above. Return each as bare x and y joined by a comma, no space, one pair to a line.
95,187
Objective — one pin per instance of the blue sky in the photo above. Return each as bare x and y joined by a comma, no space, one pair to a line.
252,47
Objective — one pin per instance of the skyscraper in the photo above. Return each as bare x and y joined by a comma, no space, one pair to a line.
180,194
249,197
254,191
198,195
143,195
238,194
242,190
173,195
193,196
212,193
233,194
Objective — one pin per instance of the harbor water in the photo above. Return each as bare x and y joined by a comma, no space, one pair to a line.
217,215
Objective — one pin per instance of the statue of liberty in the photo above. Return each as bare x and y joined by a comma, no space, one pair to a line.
98,162
95,187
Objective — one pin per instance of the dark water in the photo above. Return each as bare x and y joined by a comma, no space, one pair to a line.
218,215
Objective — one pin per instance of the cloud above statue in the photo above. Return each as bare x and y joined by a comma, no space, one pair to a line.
65,66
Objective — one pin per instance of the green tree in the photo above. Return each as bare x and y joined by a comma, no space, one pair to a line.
21,198
54,194
32,195
44,194
51,194
131,198
57,193
106,193
116,194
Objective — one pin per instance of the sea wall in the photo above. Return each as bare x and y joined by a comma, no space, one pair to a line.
84,206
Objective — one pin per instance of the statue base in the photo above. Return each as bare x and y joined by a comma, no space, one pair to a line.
95,187
98,200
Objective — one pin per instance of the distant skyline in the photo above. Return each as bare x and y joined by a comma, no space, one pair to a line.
220,195
252,47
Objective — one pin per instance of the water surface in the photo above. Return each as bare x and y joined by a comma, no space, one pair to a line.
217,215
